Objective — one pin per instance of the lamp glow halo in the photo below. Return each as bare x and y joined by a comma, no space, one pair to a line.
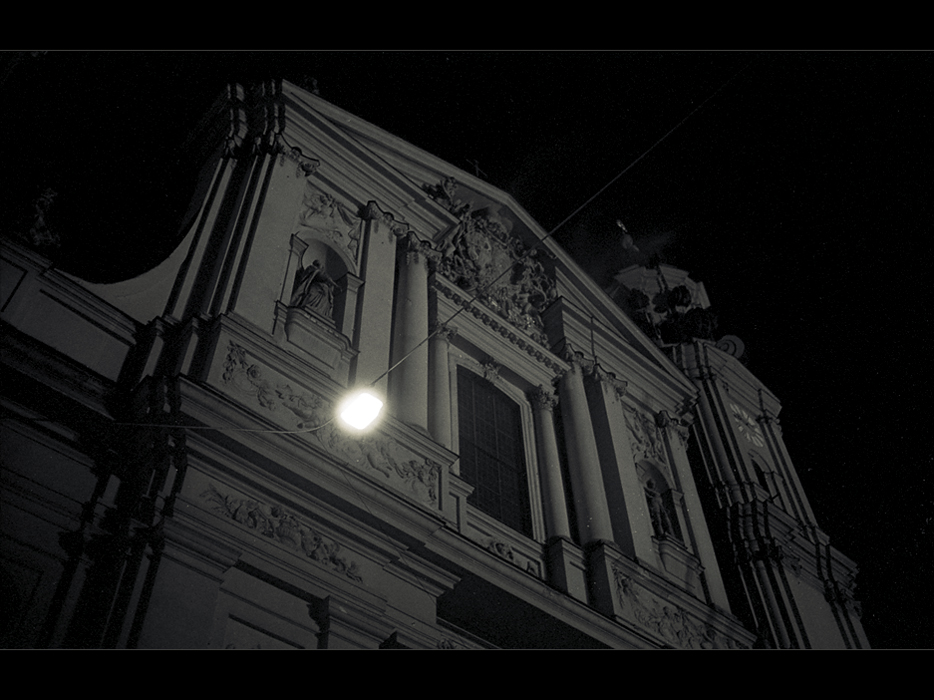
359,410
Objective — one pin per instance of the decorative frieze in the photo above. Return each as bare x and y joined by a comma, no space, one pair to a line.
420,477
504,550
663,618
276,524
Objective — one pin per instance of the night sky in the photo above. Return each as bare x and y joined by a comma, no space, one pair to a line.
796,186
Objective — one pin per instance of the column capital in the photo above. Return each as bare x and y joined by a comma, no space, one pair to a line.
603,376
444,332
490,370
680,425
542,399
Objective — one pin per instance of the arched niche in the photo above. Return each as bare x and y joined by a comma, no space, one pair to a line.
319,300
662,501
314,261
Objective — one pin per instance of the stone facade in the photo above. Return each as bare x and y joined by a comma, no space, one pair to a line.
174,477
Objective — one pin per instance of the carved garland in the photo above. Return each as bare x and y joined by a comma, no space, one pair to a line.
276,524
420,477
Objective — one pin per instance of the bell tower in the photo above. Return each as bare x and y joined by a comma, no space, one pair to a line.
781,573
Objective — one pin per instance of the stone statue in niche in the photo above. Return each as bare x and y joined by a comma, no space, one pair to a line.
314,290
658,512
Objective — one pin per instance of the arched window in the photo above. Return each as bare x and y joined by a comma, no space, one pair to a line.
491,452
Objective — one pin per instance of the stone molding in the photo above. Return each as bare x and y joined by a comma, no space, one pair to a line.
619,386
533,348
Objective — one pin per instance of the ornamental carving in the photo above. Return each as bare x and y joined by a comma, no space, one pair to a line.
445,194
482,257
321,212
444,332
40,234
504,550
276,524
420,477
644,437
396,229
541,398
618,386
680,426
490,370
665,619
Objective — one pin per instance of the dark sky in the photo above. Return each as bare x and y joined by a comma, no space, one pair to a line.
799,192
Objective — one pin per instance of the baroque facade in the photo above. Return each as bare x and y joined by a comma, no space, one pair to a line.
557,466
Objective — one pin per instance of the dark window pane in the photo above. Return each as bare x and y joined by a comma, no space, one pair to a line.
492,458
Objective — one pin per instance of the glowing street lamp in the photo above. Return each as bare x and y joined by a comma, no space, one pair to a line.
360,409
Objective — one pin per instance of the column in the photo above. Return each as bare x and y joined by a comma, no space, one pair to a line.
549,463
408,381
439,416
593,518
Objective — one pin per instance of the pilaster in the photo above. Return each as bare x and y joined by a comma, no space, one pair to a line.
675,433
631,529
374,303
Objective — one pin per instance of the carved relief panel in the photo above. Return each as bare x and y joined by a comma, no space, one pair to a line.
482,256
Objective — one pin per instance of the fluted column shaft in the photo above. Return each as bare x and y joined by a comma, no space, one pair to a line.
549,464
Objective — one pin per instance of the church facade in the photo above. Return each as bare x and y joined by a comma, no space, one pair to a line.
549,470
